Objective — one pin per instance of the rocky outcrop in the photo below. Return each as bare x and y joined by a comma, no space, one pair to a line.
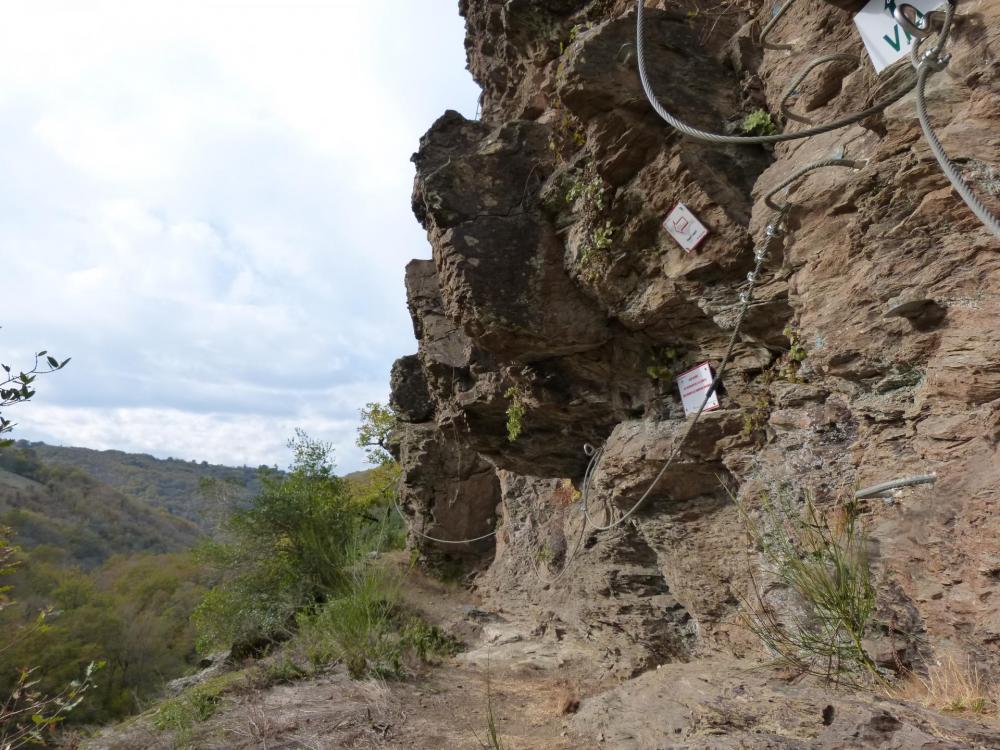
555,294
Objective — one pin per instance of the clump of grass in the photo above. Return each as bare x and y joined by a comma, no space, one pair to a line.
367,629
950,686
825,566
356,626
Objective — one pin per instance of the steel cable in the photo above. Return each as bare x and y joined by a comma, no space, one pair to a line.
704,135
927,64
746,297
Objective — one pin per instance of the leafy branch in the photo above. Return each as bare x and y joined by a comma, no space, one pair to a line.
17,388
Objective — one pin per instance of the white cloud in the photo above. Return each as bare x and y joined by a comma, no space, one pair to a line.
206,205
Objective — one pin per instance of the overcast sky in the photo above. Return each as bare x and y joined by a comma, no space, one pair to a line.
206,205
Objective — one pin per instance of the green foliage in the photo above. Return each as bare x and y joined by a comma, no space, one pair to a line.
366,627
516,395
356,626
567,136
285,551
132,613
755,416
28,715
759,122
665,363
586,190
378,421
293,547
545,554
574,34
825,565
16,385
427,641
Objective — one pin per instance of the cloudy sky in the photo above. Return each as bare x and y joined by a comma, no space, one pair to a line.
206,205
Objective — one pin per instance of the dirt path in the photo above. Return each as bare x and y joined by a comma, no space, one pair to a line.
544,694
531,682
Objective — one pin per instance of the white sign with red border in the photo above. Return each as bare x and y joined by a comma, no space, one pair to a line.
685,228
693,384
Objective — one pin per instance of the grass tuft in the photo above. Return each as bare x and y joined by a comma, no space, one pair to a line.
950,686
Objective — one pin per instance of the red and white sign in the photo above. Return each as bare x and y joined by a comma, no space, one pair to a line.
693,384
685,228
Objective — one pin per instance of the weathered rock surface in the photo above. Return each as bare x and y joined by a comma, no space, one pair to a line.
870,352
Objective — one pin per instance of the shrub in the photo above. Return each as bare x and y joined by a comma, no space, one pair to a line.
288,550
826,568
27,710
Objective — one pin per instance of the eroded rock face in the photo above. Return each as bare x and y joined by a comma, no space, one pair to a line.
869,354
608,589
448,490
499,261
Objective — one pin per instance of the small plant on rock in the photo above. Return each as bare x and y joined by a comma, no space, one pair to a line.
567,136
759,122
586,192
517,395
664,364
791,361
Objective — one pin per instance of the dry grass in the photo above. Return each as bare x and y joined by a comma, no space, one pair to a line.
950,686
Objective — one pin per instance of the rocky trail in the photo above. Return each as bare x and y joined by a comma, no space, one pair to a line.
548,691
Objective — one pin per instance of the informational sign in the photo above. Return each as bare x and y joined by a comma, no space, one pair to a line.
885,40
682,225
693,384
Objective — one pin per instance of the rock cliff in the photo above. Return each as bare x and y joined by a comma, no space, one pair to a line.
556,298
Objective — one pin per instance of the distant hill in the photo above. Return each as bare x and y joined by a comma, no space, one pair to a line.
80,520
170,484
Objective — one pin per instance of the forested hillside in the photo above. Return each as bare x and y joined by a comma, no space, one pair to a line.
78,519
171,484
99,576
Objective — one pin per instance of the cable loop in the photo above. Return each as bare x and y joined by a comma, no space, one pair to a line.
710,137
921,28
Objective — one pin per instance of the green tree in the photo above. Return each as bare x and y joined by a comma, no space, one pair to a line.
378,422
